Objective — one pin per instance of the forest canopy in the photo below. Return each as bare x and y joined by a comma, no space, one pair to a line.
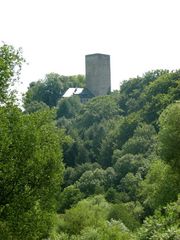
102,170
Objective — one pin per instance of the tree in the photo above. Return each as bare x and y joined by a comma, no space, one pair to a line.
68,107
36,106
31,173
50,89
129,184
10,66
98,109
164,224
169,136
158,95
143,141
92,182
108,230
93,137
112,195
160,186
71,175
131,91
130,163
88,212
69,197
88,221
122,212
121,130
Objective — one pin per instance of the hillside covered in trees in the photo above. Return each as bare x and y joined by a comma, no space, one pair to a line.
108,169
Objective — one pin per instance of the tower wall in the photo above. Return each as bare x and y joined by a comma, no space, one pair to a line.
98,79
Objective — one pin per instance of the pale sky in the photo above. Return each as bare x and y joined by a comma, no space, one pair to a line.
140,35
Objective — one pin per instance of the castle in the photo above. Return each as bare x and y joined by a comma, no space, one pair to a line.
98,78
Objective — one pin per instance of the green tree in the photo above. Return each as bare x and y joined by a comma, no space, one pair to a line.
143,141
92,182
93,137
36,106
75,153
71,175
130,163
160,186
68,107
158,95
31,173
50,89
69,197
10,66
96,110
164,224
120,131
122,212
131,90
88,221
88,212
129,184
169,136
108,230
112,195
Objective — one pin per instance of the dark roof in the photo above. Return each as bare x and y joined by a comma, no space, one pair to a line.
86,93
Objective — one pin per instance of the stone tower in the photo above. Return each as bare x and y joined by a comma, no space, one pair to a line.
98,79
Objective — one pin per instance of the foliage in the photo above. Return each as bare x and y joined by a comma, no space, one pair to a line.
123,146
122,133
92,182
122,212
10,66
69,197
107,231
129,184
163,225
130,99
50,89
160,186
113,196
71,175
31,172
36,106
129,163
169,136
159,94
96,110
142,142
88,220
122,129
88,212
68,107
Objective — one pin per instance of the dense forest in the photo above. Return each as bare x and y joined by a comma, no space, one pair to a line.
108,169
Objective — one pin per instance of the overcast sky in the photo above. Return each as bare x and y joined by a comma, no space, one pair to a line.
140,35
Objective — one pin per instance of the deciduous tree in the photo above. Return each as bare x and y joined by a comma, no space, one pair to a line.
31,173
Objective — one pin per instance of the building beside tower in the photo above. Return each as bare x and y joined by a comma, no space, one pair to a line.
98,78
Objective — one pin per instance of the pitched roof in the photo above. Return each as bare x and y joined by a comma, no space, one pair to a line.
73,91
86,93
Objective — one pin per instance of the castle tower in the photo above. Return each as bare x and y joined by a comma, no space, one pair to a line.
98,79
